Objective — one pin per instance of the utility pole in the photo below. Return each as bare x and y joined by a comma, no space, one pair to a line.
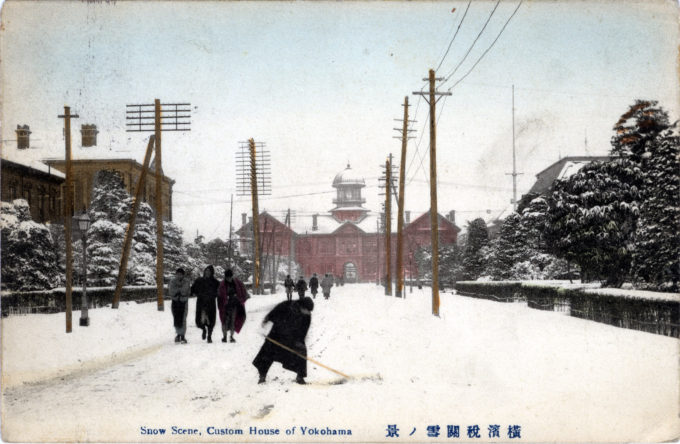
127,242
68,214
514,173
166,117
388,227
159,208
434,215
256,213
231,213
400,218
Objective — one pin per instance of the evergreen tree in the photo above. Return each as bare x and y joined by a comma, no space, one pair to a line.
142,265
28,258
657,254
474,261
641,124
510,248
174,251
593,217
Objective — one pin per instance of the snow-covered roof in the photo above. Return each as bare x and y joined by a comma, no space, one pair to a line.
25,158
562,169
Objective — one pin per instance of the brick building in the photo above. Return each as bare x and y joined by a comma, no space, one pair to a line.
41,182
347,240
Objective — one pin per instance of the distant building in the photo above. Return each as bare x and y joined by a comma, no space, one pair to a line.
346,241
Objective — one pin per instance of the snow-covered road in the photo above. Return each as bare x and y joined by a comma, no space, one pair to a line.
481,363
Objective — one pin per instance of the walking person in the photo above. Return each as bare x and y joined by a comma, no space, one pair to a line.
205,289
291,322
290,285
301,287
231,302
314,285
326,285
179,291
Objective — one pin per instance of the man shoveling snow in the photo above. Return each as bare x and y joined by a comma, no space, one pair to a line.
286,340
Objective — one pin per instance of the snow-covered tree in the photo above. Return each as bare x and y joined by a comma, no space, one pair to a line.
142,265
508,249
644,121
174,251
474,260
657,253
593,217
29,261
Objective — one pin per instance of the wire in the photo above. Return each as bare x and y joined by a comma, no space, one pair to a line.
473,43
454,36
490,46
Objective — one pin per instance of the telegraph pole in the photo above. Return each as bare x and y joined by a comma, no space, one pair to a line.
400,218
388,227
434,215
231,213
154,117
159,208
68,214
127,243
256,213
514,173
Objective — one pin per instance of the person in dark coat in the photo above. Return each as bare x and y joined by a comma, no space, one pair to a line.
205,289
179,291
326,285
314,285
232,304
291,322
301,287
290,285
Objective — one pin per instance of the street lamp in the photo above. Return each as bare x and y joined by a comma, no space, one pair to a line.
83,222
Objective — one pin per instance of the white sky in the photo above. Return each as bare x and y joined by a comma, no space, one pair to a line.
321,83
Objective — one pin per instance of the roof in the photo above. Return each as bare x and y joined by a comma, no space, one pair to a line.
14,156
561,169
348,177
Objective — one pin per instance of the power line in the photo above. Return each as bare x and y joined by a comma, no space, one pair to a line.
490,46
454,36
473,43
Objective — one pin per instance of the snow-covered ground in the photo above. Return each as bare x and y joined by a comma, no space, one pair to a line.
481,363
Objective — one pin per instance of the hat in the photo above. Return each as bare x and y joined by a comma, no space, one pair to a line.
180,270
307,303
228,273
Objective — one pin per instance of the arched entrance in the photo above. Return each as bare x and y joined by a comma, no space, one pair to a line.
350,273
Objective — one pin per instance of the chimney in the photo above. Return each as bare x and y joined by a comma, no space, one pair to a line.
250,219
452,216
23,137
244,218
89,135
315,222
407,217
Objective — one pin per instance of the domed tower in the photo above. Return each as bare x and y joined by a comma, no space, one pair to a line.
348,203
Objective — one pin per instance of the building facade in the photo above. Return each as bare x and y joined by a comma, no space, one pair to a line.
84,171
347,241
37,184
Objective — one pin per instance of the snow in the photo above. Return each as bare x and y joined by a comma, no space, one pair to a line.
481,363
636,294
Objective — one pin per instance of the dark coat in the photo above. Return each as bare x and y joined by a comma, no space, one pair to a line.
314,283
237,301
290,329
289,284
301,286
205,290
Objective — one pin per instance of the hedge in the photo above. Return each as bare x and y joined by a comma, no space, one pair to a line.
54,301
650,315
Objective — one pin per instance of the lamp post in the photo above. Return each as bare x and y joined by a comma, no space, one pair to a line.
83,225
